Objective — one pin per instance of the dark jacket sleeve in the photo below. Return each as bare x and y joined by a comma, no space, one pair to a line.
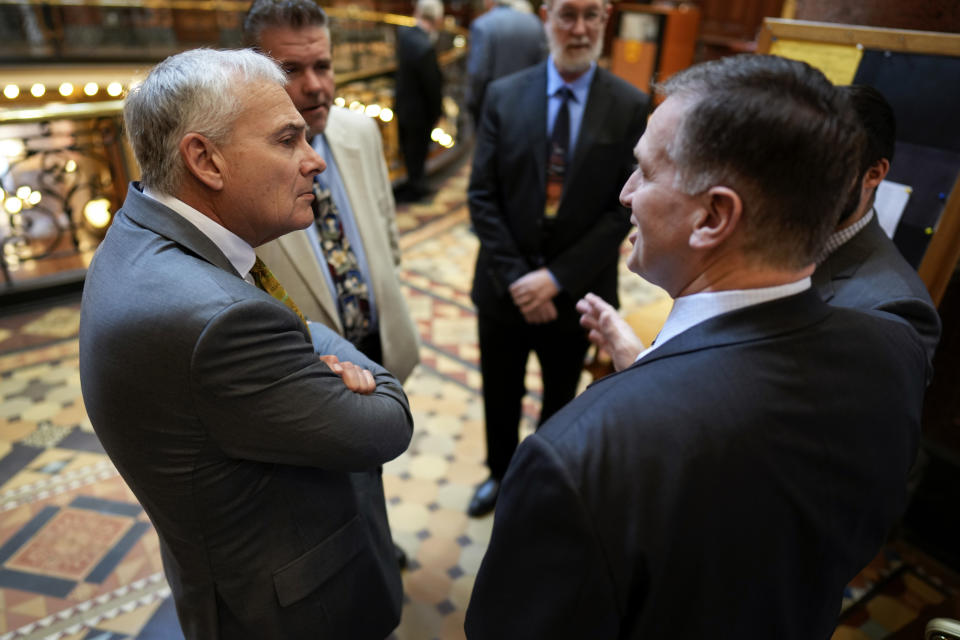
544,574
263,395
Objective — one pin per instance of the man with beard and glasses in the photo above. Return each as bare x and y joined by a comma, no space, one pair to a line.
552,151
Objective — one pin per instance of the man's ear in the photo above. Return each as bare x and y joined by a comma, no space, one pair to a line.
876,174
543,12
202,159
718,218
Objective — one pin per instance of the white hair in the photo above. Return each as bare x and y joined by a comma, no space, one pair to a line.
431,10
198,91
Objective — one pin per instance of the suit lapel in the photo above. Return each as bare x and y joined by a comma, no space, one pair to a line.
533,123
298,250
843,263
594,119
349,158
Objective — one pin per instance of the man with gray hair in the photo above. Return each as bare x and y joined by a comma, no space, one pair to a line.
418,96
256,460
732,480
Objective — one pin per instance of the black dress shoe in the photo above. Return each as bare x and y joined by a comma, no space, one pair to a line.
484,498
401,556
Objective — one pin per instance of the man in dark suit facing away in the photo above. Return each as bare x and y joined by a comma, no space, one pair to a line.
732,480
257,461
552,151
418,101
860,267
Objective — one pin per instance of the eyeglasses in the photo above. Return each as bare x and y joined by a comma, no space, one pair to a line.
567,18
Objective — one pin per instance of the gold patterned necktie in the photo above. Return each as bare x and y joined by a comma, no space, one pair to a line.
266,281
353,297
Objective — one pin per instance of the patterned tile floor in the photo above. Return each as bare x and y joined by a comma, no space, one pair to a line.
79,559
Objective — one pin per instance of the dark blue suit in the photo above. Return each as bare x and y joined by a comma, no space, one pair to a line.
728,485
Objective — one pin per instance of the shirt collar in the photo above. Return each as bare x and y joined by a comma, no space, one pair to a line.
838,238
237,251
580,87
698,307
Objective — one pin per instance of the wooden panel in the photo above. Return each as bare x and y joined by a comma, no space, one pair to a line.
679,41
922,15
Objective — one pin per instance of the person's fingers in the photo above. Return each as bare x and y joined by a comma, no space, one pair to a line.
333,362
369,384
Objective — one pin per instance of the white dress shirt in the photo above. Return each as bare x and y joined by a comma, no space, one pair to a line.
238,252
691,310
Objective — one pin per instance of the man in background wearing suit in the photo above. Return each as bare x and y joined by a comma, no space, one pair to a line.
503,40
256,460
736,477
552,150
369,310
860,266
418,99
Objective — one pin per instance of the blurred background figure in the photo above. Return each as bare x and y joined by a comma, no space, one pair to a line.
418,98
505,39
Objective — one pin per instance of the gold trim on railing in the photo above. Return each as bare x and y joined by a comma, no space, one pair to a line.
59,110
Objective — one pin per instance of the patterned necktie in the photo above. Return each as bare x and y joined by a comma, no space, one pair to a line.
266,281
353,298
557,152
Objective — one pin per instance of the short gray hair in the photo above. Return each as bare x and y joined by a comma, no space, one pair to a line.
198,91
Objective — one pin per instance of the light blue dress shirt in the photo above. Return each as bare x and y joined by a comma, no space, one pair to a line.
580,88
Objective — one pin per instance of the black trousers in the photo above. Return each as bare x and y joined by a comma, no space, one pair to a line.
504,348
414,142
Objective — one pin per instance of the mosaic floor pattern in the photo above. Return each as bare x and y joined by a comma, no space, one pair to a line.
79,560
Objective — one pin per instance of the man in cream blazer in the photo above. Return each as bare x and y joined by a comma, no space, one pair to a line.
350,144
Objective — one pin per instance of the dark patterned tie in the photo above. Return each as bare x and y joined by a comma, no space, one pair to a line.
353,297
557,152
265,280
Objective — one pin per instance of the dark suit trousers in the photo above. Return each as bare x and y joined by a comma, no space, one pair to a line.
414,143
504,348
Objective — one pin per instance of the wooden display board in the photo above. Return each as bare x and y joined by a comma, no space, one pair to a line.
650,43
919,74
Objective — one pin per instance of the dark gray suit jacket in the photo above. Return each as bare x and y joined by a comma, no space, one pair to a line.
507,191
868,272
502,41
257,466
727,485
